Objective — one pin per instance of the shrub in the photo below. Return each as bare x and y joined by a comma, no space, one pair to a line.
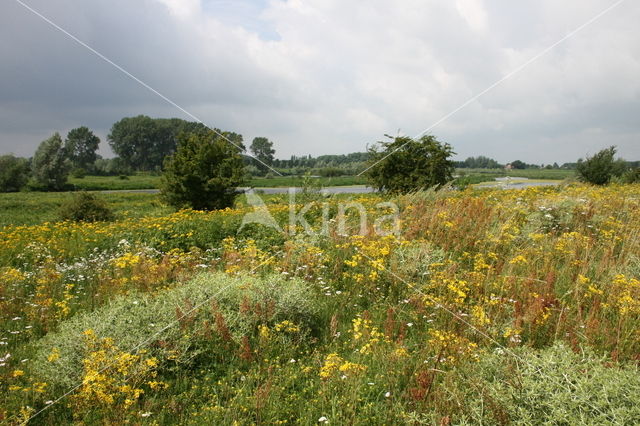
151,320
330,172
553,386
14,173
600,168
631,176
203,174
79,173
86,207
407,165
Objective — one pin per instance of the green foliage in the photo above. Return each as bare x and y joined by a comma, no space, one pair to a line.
479,162
631,176
78,173
600,168
81,146
203,174
50,164
330,172
14,173
111,167
176,316
519,165
143,142
406,165
262,150
552,386
31,208
86,207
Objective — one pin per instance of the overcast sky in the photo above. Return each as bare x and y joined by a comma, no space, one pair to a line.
331,76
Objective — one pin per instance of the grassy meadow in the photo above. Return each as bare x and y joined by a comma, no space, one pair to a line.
487,307
148,181
144,181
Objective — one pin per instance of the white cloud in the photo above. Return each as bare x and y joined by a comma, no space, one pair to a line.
336,74
473,13
183,8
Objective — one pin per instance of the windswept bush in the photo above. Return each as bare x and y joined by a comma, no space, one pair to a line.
86,207
168,324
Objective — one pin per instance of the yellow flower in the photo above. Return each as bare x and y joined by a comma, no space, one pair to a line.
54,355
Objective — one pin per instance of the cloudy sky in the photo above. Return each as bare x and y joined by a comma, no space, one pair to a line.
331,76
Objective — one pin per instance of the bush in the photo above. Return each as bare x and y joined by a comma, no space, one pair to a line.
14,173
203,174
407,165
330,172
552,386
632,176
86,207
599,169
137,319
79,173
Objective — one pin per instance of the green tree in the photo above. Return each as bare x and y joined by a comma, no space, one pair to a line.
14,173
262,149
600,168
50,164
81,146
135,140
404,164
143,142
518,165
203,174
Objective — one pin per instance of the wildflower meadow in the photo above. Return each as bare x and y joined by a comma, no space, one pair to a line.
482,306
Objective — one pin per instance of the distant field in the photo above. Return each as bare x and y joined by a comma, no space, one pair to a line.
114,183
30,208
298,181
554,174
102,183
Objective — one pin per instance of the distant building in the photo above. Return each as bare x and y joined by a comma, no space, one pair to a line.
508,167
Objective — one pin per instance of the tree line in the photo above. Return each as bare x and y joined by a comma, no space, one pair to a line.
140,143
148,144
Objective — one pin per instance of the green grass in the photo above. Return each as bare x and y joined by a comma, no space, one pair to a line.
553,174
299,181
114,183
104,183
30,208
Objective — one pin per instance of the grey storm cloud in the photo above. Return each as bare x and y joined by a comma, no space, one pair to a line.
329,76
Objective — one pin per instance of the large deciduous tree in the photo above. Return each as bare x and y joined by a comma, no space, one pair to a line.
404,164
143,142
262,149
81,146
203,174
50,164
